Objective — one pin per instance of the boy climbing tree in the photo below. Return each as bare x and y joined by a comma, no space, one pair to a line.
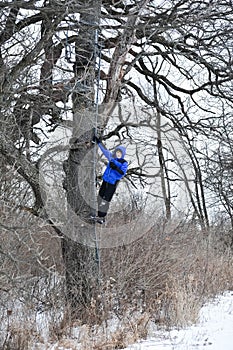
114,172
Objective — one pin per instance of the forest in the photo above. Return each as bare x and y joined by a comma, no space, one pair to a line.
154,76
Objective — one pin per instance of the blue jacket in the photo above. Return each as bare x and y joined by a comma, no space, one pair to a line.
120,164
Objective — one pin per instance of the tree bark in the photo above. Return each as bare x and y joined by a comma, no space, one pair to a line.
163,171
79,257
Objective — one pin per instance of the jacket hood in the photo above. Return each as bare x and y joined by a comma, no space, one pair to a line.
122,149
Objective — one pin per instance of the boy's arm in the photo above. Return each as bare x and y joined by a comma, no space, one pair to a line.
124,168
120,169
105,151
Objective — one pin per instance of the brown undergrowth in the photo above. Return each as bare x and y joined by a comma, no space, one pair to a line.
160,280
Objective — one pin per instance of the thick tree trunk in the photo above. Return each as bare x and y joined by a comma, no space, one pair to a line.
81,276
79,255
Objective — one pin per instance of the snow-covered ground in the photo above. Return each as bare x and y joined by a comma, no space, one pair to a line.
214,330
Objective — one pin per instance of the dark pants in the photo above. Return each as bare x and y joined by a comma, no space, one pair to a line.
105,195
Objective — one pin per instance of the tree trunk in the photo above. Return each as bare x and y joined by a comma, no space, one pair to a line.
80,254
165,185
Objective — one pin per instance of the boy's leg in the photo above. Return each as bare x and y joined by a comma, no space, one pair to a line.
102,189
102,204
105,195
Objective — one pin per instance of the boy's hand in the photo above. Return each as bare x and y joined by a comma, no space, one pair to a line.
113,166
96,139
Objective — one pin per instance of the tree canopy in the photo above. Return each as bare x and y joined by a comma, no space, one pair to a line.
163,73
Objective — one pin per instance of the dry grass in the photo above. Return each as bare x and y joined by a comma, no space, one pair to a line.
164,278
169,273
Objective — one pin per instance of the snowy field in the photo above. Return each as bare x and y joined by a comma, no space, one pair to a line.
214,330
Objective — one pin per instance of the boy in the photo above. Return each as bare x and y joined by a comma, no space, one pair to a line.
114,172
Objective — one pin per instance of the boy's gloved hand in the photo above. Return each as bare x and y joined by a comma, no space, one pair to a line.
113,166
96,139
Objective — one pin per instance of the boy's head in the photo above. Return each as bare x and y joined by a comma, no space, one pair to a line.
120,152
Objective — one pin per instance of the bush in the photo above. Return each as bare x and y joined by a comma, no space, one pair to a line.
161,279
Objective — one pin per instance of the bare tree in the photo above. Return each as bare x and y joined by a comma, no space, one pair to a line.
218,169
172,57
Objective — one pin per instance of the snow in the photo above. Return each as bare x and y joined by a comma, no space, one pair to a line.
214,330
